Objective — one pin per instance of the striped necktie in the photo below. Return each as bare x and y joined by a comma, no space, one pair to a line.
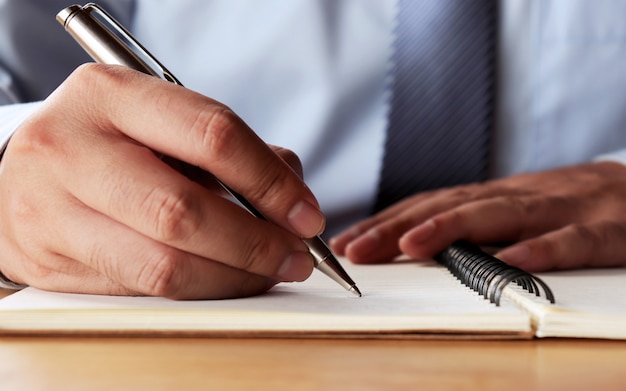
442,96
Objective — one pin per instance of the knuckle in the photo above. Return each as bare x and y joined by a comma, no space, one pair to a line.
39,268
519,204
97,257
524,209
22,209
461,193
291,158
465,193
609,230
269,188
93,74
37,272
545,251
171,214
452,218
97,80
118,192
34,139
86,71
159,275
215,131
573,245
563,207
586,235
91,77
258,251
85,74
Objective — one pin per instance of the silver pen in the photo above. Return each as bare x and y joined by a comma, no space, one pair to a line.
108,42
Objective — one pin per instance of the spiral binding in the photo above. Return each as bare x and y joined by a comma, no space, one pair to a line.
486,274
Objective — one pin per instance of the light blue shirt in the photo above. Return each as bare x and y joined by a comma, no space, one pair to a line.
312,75
562,96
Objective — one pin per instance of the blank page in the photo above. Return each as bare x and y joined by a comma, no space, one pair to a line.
589,303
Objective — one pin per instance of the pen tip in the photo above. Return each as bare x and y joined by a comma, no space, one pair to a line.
355,290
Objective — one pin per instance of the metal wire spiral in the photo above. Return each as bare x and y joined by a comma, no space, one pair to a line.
487,274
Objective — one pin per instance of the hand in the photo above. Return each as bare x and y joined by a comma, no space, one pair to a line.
566,218
88,205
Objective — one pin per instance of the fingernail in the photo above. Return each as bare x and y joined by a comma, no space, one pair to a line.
421,233
297,267
516,255
306,219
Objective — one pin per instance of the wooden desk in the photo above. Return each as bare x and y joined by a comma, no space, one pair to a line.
264,364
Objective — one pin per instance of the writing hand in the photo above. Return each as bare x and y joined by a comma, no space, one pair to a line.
88,205
565,218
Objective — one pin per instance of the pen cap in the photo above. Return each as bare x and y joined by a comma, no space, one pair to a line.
99,40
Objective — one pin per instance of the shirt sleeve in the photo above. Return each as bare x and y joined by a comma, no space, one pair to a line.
11,117
617,157
8,94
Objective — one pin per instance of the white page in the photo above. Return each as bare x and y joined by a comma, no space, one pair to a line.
590,303
600,291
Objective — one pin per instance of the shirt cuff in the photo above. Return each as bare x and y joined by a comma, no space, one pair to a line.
11,117
616,157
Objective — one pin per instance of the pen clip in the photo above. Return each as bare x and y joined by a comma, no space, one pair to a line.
119,31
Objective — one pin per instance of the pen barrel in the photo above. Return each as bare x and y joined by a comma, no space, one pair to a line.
326,262
99,42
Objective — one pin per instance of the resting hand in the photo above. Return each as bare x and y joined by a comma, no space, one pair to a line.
565,218
88,205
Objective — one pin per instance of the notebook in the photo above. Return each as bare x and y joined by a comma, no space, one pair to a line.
403,299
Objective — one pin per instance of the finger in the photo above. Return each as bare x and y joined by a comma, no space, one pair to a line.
290,158
487,221
202,132
43,269
375,239
208,180
171,209
54,272
600,244
101,176
378,243
148,267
